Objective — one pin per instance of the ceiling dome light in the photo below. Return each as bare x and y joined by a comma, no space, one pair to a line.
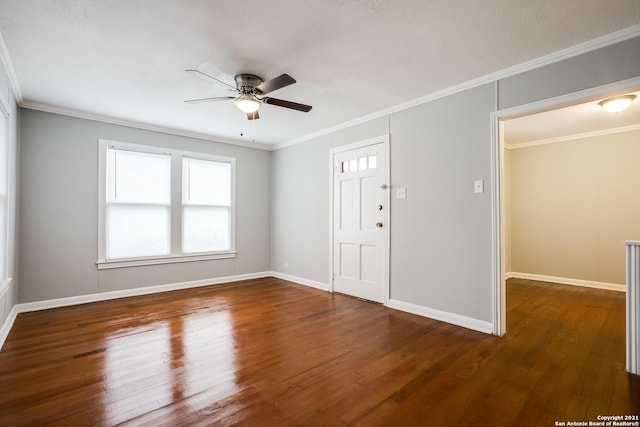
247,103
617,104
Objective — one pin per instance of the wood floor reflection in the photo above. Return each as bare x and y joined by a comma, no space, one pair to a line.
268,352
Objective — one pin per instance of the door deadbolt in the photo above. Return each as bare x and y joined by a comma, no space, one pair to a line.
379,207
379,224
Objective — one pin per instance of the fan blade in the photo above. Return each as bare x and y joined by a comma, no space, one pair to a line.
253,116
217,98
287,104
200,73
275,84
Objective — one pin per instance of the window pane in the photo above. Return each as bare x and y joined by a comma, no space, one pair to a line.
137,230
353,165
206,182
134,177
205,229
362,163
373,162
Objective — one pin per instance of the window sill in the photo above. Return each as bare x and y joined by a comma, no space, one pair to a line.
104,265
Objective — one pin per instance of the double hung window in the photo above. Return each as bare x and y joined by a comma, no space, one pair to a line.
159,205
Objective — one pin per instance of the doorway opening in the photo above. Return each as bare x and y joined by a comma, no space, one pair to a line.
533,131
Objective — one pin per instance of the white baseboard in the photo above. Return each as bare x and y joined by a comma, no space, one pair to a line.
431,313
7,325
104,296
567,281
300,280
443,316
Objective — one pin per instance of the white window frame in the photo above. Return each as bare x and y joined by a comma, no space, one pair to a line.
176,254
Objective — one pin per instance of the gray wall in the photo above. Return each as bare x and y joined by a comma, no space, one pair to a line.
441,234
8,294
59,202
596,68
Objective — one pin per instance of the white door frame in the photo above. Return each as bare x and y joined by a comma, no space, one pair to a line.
382,139
497,175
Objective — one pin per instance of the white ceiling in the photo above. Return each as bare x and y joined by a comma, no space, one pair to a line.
125,59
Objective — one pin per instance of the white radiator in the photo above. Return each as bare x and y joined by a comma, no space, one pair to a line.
633,306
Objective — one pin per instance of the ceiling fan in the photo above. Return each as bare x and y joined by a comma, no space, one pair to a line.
249,87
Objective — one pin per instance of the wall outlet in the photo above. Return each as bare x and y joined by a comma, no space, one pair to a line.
401,193
285,265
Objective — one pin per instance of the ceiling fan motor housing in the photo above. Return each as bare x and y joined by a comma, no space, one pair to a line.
249,87
246,83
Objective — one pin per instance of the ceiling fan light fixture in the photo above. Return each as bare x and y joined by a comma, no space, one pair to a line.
247,103
617,104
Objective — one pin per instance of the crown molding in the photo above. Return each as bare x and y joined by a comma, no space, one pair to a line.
594,44
137,125
570,52
572,137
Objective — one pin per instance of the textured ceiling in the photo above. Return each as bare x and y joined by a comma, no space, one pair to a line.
125,59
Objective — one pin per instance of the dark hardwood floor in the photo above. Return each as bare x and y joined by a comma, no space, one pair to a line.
270,353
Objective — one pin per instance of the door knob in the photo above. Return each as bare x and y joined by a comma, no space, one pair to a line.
379,224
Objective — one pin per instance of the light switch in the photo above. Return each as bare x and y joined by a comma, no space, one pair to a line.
401,193
478,186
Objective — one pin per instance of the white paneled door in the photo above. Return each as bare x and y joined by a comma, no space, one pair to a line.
360,221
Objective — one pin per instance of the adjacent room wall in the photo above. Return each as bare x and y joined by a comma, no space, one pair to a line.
573,204
59,228
507,210
9,288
